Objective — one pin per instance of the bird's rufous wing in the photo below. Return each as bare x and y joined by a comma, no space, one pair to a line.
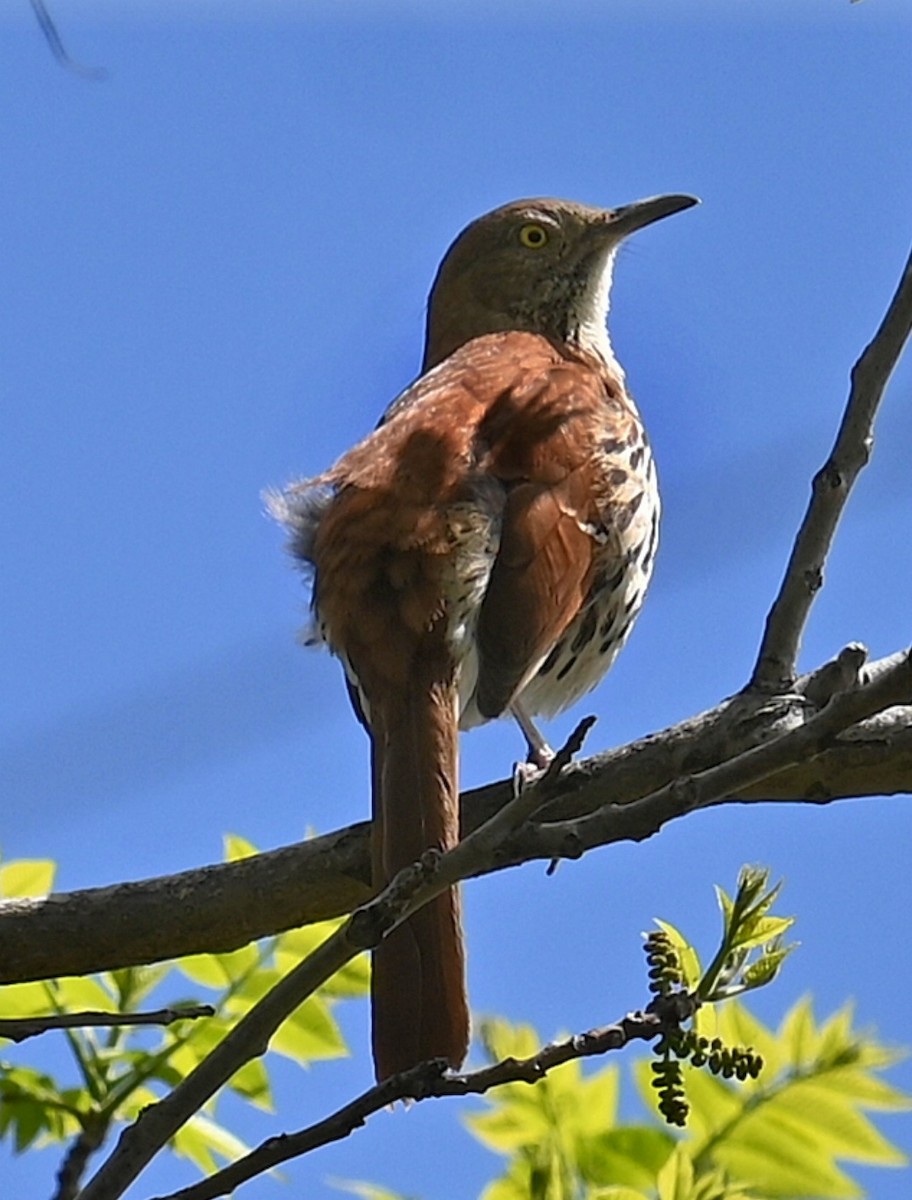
544,445
510,422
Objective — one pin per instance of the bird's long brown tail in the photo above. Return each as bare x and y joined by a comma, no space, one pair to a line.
418,995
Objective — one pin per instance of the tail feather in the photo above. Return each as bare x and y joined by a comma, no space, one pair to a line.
419,1005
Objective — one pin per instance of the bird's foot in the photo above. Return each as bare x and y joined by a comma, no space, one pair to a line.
539,755
525,775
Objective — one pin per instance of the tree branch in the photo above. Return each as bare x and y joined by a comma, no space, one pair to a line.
18,1029
219,908
430,1080
886,683
775,668
89,1139
208,909
411,888
57,48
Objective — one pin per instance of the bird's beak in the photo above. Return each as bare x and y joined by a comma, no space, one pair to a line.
634,216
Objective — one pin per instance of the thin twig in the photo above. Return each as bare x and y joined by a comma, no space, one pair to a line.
17,1029
884,684
140,1142
83,1146
430,1080
407,892
57,48
776,662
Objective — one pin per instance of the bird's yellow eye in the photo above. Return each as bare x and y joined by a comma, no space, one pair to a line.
533,236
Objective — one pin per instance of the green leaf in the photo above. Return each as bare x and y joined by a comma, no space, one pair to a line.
131,985
25,1082
351,982
839,1041
27,877
366,1191
516,1184
754,897
202,968
518,1120
676,1178
562,1086
252,1082
25,1000
726,906
133,1103
714,1185
798,1031
501,1039
31,1107
188,1051
238,964
765,969
706,1020
786,1132
202,1139
23,1109
249,988
295,945
80,993
776,1156
689,959
867,1090
30,1121
632,1156
616,1193
827,1117
737,1026
291,948
761,931
713,1104
310,1033
596,1100
235,847
216,971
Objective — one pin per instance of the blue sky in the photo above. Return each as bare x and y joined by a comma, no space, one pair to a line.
214,266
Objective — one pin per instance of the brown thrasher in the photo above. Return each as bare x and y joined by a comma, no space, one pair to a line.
484,551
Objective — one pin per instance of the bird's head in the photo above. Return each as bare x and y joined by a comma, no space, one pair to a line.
542,266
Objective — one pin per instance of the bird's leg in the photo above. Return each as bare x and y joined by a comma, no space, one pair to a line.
539,753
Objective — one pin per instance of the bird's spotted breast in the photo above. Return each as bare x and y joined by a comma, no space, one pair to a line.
624,563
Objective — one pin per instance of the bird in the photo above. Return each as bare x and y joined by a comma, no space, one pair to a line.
483,552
